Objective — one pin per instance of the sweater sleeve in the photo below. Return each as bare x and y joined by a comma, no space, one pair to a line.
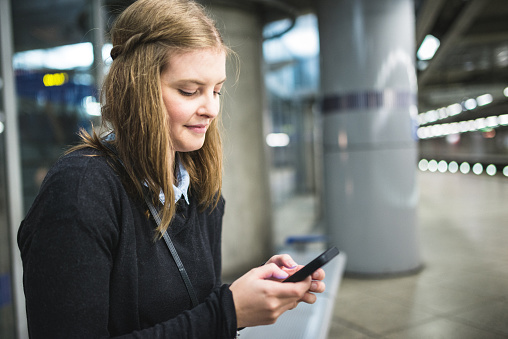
66,260
215,318
68,242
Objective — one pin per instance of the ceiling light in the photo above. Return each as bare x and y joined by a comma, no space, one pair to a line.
454,109
491,121
480,123
503,119
483,100
470,104
428,48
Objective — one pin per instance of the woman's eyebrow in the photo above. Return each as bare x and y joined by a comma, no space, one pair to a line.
197,82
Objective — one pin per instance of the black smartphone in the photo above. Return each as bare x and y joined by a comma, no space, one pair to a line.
311,267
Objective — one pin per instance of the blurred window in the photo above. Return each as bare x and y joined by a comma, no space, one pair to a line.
56,81
292,83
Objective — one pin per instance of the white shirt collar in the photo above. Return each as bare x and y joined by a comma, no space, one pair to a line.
183,185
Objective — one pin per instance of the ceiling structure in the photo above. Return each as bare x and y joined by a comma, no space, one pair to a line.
472,59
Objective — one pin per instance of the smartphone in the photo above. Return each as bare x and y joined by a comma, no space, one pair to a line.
311,267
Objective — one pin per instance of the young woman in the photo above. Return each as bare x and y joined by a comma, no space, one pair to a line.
97,262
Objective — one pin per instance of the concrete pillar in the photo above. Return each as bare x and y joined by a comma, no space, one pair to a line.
10,136
369,86
247,223
98,38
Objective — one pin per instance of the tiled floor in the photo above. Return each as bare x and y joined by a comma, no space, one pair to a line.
463,290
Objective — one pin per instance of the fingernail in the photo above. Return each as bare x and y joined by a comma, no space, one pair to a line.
281,275
292,264
313,286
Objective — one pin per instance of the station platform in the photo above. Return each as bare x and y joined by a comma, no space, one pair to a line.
462,292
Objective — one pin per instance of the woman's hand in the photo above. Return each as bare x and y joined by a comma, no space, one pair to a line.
287,264
259,300
282,260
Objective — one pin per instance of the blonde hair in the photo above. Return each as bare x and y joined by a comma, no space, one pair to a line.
144,38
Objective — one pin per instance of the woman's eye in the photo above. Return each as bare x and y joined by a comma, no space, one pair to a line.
217,92
187,94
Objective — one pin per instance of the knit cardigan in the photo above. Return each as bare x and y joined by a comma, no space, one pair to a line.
93,269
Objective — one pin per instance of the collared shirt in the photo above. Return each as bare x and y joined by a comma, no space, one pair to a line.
183,185
182,176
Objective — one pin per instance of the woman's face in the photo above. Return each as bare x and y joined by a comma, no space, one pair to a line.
190,85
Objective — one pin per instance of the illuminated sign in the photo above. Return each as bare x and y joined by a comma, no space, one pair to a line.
57,79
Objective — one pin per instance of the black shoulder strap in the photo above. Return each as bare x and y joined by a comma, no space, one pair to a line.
167,239
174,253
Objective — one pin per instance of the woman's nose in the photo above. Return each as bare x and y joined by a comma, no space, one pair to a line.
210,106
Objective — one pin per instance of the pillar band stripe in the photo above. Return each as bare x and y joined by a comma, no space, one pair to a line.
339,103
5,290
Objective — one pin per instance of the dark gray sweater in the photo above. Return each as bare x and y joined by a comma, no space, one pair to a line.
93,270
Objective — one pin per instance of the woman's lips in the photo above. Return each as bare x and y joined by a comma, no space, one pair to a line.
197,128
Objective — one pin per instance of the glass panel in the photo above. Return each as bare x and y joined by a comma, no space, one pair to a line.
55,82
7,328
292,82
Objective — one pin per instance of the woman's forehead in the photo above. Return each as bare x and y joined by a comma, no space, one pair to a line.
209,63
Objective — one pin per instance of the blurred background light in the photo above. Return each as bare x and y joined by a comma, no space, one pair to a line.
480,123
442,166
470,104
453,167
454,109
477,168
106,53
91,106
433,165
56,79
61,58
277,139
423,165
505,171
492,121
485,99
503,119
428,47
491,170
453,138
464,168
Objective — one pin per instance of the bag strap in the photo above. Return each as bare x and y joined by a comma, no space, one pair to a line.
174,254
167,238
